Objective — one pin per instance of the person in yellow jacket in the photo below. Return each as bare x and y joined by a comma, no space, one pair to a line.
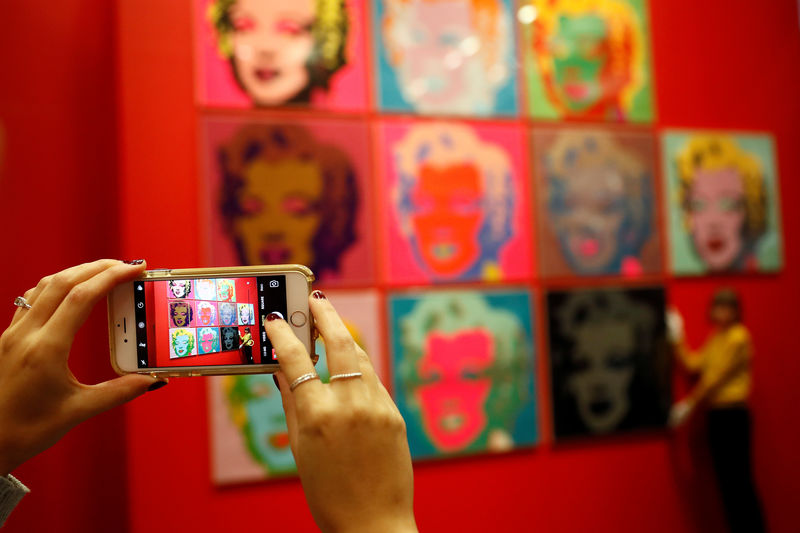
723,366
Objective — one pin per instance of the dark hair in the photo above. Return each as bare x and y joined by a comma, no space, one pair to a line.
727,297
338,201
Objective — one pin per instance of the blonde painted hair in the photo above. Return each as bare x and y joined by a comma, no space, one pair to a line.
720,152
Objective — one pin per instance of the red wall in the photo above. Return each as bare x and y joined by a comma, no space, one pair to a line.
719,63
58,202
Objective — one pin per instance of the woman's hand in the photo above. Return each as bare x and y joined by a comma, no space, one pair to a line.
40,399
348,438
680,412
675,329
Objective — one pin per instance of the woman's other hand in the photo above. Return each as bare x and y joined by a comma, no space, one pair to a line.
348,438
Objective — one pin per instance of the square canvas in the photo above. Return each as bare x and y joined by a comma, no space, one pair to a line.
455,202
289,192
181,313
597,210
451,58
609,360
587,60
180,288
249,440
205,289
463,370
252,53
182,342
229,338
723,202
208,340
206,313
246,315
228,314
226,290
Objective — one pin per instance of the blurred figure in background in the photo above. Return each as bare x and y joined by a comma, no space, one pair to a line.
723,365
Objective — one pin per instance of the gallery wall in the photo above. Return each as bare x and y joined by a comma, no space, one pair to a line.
648,481
58,208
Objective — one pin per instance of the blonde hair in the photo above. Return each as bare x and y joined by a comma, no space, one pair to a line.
720,152
624,32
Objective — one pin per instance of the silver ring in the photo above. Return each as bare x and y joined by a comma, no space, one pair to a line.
302,379
346,376
20,301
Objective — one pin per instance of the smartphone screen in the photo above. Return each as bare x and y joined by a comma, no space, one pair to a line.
206,322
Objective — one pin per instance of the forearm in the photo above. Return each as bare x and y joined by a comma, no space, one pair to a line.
394,526
691,360
710,383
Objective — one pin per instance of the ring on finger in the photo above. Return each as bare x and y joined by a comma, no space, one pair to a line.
348,375
20,301
302,379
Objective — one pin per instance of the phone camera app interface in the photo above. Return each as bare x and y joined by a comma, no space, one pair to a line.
206,321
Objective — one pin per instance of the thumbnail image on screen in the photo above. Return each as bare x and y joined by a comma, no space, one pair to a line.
206,321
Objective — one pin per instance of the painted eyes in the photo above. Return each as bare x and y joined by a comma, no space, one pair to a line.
729,204
251,206
292,28
294,204
725,205
458,204
244,24
298,205
606,206
613,361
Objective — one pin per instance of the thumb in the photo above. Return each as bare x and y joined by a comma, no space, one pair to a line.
96,399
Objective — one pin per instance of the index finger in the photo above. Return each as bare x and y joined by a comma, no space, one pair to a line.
292,355
81,299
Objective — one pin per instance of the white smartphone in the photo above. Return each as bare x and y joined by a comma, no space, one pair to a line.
194,322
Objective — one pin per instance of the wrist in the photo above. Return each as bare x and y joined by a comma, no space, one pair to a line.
395,525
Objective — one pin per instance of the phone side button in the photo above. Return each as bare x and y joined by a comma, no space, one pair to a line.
298,319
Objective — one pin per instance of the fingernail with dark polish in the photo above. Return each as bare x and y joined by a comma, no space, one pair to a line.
156,385
134,262
274,316
319,295
275,379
